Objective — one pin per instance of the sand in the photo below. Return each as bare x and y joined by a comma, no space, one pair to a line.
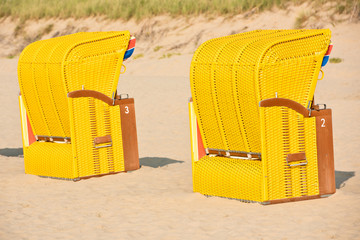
157,201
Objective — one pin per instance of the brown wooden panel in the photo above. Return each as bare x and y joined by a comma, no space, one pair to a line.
99,175
129,134
325,151
283,102
295,199
296,157
98,95
104,139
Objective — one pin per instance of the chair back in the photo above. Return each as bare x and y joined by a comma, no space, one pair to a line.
49,69
230,75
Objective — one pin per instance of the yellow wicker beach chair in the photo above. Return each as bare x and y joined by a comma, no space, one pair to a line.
69,102
256,133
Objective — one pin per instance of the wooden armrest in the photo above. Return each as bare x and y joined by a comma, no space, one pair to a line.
283,102
100,96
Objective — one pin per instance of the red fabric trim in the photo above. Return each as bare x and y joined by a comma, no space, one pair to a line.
30,131
132,43
329,50
201,149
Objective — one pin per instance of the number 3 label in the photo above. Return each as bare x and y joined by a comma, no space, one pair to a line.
323,122
127,110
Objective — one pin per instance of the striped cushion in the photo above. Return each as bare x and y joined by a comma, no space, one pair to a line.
130,48
327,55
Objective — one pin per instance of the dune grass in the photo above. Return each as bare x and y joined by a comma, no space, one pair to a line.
140,55
169,55
157,48
138,9
336,60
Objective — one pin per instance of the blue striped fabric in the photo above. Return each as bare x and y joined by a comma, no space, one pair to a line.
131,48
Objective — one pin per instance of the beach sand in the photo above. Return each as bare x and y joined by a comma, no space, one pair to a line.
157,201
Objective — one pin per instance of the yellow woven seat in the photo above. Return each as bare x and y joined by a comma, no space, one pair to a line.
229,78
52,160
239,178
68,93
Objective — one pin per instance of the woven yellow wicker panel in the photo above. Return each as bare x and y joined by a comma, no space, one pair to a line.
201,87
26,82
42,54
229,77
99,61
227,177
116,135
236,85
244,72
222,72
223,91
287,132
50,160
91,118
310,172
291,66
289,69
49,69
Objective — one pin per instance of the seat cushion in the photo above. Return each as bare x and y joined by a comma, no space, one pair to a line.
49,159
228,177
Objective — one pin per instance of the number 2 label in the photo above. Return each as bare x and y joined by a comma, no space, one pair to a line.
323,122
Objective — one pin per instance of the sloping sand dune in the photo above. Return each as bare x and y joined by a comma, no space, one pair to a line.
157,202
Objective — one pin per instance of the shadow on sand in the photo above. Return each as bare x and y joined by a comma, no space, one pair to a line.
156,162
341,177
153,162
11,152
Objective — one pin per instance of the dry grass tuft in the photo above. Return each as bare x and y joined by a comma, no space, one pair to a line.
139,9
335,60
136,56
157,48
301,20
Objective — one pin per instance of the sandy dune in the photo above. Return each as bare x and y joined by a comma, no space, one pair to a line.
157,202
